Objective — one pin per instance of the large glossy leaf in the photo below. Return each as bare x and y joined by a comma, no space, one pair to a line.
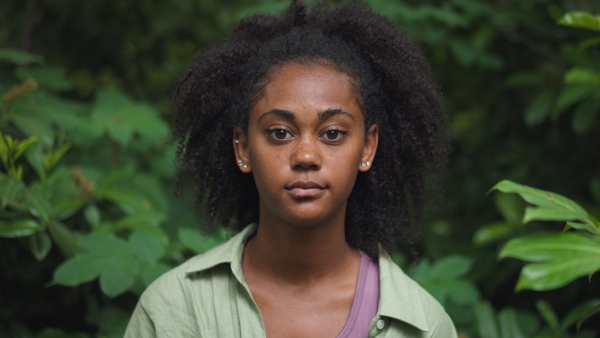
19,228
581,19
119,276
560,259
546,247
551,206
82,268
146,247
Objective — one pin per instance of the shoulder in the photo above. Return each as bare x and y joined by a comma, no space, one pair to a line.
403,299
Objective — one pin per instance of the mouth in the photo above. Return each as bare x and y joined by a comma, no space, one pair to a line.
305,189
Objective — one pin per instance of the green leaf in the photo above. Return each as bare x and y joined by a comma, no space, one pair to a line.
19,57
451,267
146,246
509,325
486,322
580,19
589,43
510,207
37,204
580,75
581,226
39,244
539,108
585,114
49,77
19,228
64,239
547,312
572,94
581,311
556,273
546,247
92,215
549,202
194,241
592,311
152,272
492,232
105,243
82,268
35,157
129,201
462,292
10,189
119,276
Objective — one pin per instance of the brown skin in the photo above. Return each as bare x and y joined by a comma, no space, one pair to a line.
304,145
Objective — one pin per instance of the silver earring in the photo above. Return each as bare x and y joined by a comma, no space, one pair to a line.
368,163
364,164
245,166
237,141
240,163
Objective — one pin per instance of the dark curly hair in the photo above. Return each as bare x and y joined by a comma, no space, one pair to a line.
397,93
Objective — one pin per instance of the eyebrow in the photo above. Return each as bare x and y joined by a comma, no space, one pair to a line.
288,115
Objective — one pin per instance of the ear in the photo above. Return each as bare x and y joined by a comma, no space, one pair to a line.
240,146
369,149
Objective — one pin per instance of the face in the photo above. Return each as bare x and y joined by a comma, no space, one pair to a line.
305,143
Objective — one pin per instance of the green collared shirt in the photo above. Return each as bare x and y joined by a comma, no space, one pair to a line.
208,297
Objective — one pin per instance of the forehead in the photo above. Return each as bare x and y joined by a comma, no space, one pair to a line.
305,87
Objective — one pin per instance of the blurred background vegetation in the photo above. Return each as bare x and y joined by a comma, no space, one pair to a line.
89,219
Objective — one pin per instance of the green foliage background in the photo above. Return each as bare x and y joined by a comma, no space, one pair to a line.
88,217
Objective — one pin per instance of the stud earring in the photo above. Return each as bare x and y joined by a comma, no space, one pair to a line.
365,164
245,166
240,163
237,141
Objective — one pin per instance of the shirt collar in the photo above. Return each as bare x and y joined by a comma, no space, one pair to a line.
400,296
230,252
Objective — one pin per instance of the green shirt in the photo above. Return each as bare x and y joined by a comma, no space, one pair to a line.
208,297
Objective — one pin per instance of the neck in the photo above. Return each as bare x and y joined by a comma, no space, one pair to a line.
297,254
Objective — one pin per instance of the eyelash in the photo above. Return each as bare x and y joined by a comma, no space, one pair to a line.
271,133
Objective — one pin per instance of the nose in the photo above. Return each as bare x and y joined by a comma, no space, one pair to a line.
306,154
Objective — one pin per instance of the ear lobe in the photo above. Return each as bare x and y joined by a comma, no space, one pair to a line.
240,147
369,148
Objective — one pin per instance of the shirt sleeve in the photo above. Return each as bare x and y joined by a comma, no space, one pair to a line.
140,324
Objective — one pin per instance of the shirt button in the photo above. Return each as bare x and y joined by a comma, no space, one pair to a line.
380,324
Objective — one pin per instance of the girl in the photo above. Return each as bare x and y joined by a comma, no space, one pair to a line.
318,128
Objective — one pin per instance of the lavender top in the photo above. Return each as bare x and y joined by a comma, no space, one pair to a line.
366,300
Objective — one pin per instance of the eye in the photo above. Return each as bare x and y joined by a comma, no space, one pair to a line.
334,134
279,134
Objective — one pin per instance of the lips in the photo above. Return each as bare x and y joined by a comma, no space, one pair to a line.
305,189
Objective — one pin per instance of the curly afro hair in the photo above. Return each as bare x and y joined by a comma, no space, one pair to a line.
397,93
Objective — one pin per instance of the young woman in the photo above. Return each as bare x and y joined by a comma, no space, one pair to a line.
313,133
